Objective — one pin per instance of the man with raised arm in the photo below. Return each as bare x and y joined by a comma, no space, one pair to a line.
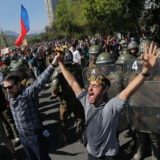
101,131
24,108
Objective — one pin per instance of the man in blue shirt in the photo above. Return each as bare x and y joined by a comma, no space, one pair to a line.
24,109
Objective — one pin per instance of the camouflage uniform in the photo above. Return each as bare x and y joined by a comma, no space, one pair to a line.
67,100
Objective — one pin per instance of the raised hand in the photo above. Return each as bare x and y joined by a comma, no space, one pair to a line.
55,60
149,58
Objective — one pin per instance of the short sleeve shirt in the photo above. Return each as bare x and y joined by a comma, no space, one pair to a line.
101,131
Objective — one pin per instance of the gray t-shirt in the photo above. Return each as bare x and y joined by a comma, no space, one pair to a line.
101,131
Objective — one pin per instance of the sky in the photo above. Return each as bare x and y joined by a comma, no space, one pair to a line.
10,14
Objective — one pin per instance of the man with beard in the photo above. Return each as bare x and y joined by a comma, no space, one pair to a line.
101,131
24,109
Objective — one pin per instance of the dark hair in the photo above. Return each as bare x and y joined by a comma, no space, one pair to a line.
12,77
74,45
106,82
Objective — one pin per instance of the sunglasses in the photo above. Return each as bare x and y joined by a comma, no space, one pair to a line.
9,87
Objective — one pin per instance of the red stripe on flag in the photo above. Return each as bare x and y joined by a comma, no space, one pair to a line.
22,35
23,29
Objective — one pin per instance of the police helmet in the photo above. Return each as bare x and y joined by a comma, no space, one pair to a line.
104,58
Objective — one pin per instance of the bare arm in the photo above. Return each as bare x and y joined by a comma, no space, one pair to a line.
70,79
149,61
79,61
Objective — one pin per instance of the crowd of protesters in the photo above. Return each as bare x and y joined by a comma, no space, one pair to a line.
23,100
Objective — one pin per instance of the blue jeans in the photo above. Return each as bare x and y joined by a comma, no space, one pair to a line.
36,147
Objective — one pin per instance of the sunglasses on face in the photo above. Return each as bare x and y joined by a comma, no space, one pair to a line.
9,87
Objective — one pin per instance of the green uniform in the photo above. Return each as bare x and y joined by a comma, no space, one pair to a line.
67,100
142,104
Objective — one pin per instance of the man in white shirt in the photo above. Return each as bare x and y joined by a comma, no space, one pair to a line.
76,55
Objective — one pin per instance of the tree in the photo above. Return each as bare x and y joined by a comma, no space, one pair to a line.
70,18
4,40
32,40
64,17
44,36
150,15
79,18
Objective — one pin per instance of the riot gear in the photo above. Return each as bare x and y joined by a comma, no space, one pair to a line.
143,110
95,49
68,102
141,46
13,62
125,51
93,53
17,66
101,79
104,58
124,43
133,49
123,58
6,60
110,71
14,56
132,46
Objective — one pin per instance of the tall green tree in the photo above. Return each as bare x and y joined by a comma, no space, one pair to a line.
64,17
4,41
77,18
150,15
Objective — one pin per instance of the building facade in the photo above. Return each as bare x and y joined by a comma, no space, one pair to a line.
51,8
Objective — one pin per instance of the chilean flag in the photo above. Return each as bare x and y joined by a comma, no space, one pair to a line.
24,26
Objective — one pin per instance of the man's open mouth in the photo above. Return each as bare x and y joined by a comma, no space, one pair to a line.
91,96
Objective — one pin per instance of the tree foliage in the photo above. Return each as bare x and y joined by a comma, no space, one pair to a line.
104,16
79,18
5,41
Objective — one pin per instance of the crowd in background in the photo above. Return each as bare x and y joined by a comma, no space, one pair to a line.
34,59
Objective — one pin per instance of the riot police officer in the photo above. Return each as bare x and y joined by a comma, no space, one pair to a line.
145,133
66,97
133,49
93,53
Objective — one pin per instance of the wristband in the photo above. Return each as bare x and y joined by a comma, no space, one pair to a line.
145,74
